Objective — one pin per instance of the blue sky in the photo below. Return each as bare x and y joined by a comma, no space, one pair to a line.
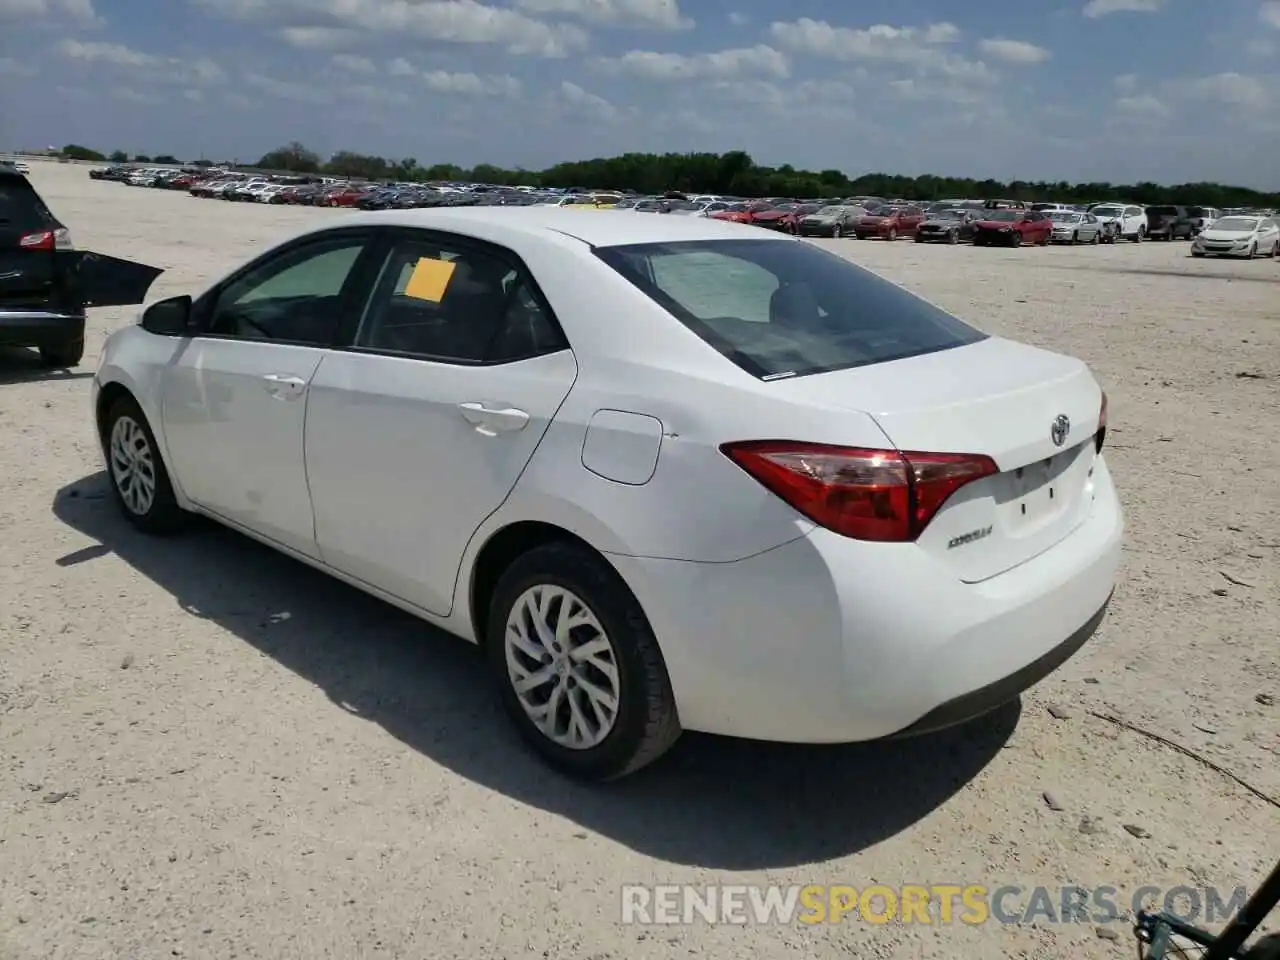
1119,90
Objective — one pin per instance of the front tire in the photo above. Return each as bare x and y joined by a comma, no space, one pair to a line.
1015,238
138,476
578,666
836,232
893,234
953,237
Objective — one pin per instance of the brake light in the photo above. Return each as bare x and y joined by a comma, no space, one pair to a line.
1101,435
39,240
879,495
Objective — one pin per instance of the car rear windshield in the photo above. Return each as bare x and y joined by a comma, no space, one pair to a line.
1163,211
779,308
20,206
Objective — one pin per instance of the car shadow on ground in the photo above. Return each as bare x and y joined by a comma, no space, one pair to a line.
18,365
712,802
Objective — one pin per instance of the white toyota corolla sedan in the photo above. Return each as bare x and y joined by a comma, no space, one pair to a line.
671,473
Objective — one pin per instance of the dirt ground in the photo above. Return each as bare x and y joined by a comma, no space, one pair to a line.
209,750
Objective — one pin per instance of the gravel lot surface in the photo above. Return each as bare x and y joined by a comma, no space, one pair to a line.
208,750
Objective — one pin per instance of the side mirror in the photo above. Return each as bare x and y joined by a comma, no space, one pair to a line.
169,318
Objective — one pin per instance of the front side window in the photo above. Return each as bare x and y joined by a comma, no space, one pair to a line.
294,297
777,308
436,300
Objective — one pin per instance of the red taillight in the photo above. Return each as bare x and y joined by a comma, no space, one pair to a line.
39,240
1101,435
881,495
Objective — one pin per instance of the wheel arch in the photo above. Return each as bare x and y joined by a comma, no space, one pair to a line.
500,550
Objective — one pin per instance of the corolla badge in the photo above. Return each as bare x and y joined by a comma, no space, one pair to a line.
1059,429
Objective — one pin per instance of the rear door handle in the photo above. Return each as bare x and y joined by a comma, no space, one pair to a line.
284,386
490,420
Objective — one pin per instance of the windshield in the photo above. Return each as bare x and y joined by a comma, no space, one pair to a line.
778,308
1106,211
1003,216
831,211
1062,216
949,215
1241,224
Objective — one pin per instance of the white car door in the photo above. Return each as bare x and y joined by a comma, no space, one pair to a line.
420,429
233,402
1269,237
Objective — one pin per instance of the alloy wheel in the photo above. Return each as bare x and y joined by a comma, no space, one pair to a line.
133,465
562,667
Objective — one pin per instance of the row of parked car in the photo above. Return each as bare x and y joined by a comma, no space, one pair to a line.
989,222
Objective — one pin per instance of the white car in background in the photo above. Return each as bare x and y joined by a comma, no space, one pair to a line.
1239,236
1071,226
1130,220
775,496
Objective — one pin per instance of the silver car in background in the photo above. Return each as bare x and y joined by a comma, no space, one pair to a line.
1071,226
833,221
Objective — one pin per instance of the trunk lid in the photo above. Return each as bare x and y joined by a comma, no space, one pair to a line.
997,398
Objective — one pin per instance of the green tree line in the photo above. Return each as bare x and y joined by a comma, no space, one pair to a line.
733,173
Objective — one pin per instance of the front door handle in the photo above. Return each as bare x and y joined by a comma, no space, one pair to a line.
492,419
284,386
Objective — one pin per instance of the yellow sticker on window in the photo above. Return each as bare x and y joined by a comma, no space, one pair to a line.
430,279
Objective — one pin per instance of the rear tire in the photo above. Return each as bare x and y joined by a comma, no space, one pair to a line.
836,232
1094,241
66,354
138,476
526,640
892,235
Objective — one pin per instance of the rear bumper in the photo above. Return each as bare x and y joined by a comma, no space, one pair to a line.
827,639
35,328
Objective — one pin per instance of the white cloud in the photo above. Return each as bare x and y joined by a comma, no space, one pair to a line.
287,89
78,13
1126,82
583,101
1269,13
472,85
1230,89
353,63
738,19
400,67
318,38
720,65
1143,105
200,71
655,14
9,67
1104,8
1014,51
314,22
923,48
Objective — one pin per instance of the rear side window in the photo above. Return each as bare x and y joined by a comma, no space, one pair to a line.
777,308
20,205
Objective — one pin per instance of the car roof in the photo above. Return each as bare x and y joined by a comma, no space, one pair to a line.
598,228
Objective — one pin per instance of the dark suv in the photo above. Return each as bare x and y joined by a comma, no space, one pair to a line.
1170,223
46,284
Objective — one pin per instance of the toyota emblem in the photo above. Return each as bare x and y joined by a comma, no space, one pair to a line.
1059,429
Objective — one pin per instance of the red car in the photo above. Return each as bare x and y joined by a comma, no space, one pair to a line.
785,216
743,212
346,196
890,223
1012,228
